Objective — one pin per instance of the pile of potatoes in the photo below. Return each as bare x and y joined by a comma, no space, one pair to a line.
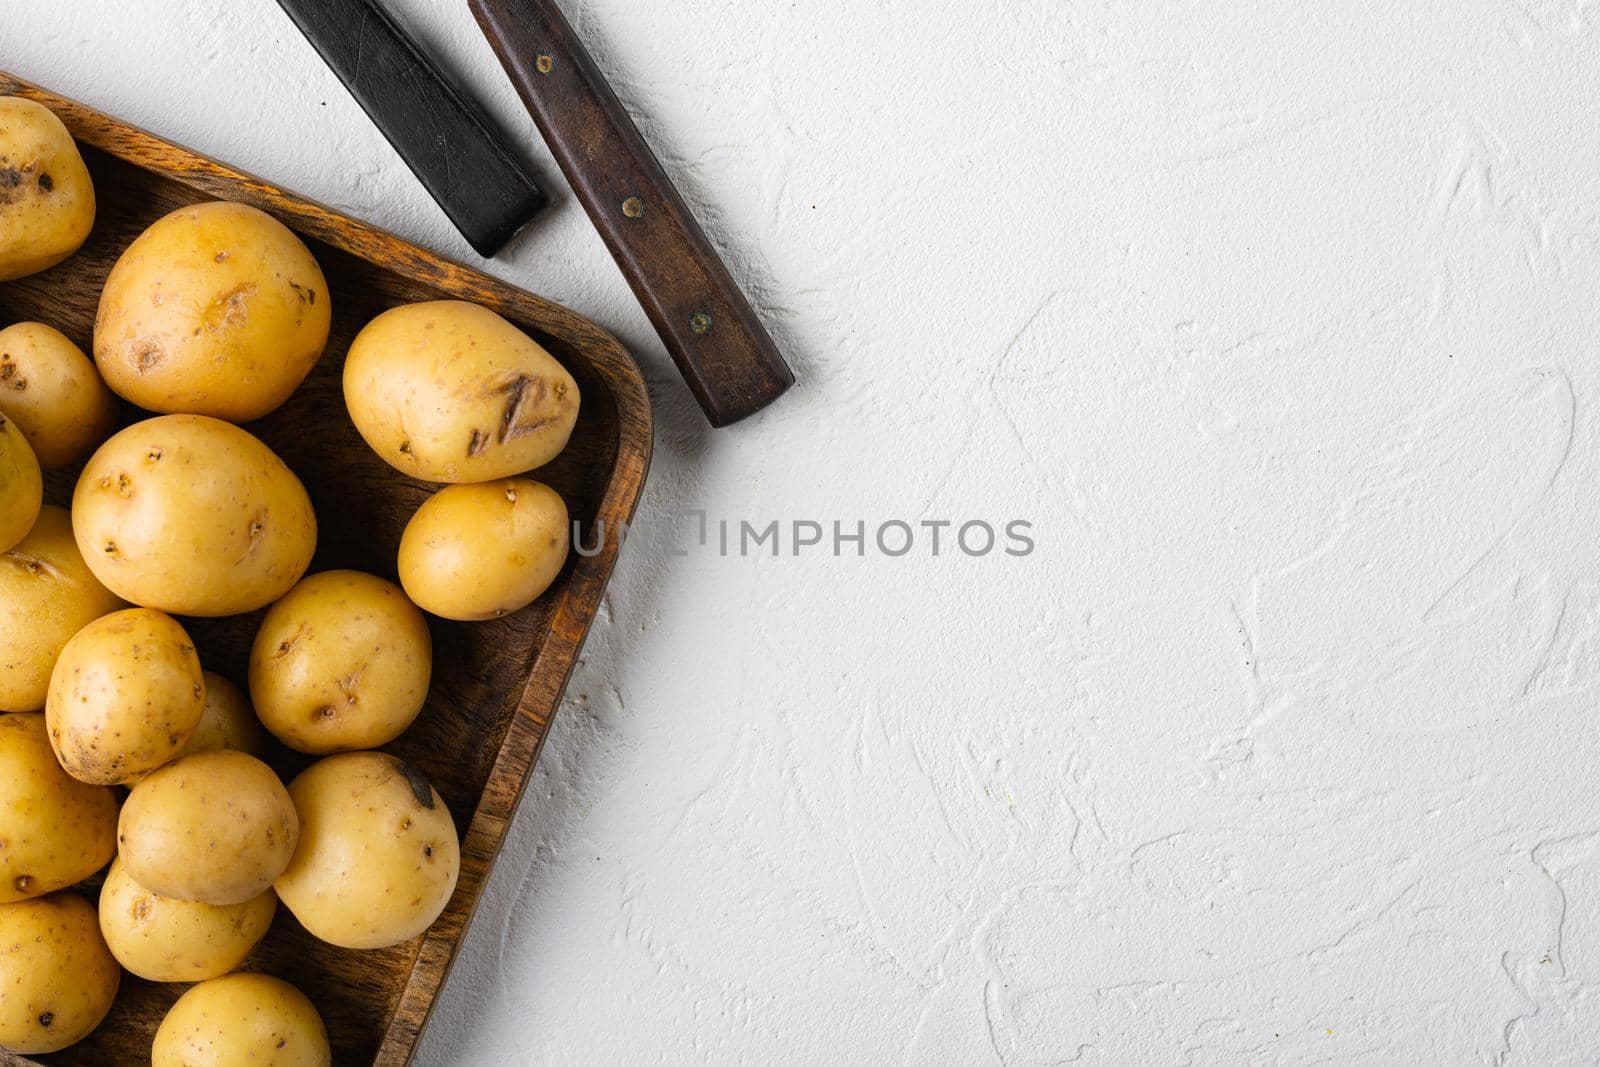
117,746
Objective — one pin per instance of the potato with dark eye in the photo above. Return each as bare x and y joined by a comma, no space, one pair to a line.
194,516
21,484
58,977
448,391
340,663
55,831
52,391
47,594
125,695
378,856
46,198
217,309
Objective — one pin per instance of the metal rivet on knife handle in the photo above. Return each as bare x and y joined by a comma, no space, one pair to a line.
544,63
732,367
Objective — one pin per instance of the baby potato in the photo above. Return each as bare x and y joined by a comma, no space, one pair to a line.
226,722
55,831
125,695
52,392
475,552
340,663
216,827
47,594
448,391
378,856
194,516
46,198
217,309
166,940
58,976
21,484
242,1019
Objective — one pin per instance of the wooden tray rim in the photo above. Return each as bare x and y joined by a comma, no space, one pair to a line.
571,616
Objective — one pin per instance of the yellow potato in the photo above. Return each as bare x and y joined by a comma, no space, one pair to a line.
241,1019
46,198
340,663
55,831
226,722
125,695
476,552
194,516
216,827
57,978
47,594
21,484
378,856
448,391
166,940
217,309
51,390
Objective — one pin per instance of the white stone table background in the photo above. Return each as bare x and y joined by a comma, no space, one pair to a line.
1279,321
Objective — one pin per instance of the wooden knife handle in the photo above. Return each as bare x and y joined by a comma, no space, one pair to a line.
708,326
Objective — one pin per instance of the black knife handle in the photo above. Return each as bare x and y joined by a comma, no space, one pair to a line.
708,326
443,139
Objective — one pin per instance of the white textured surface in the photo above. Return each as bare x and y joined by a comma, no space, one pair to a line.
1281,323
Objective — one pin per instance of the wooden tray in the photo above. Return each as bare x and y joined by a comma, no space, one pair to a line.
495,684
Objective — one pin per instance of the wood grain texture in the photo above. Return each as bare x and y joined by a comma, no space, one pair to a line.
714,336
495,684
